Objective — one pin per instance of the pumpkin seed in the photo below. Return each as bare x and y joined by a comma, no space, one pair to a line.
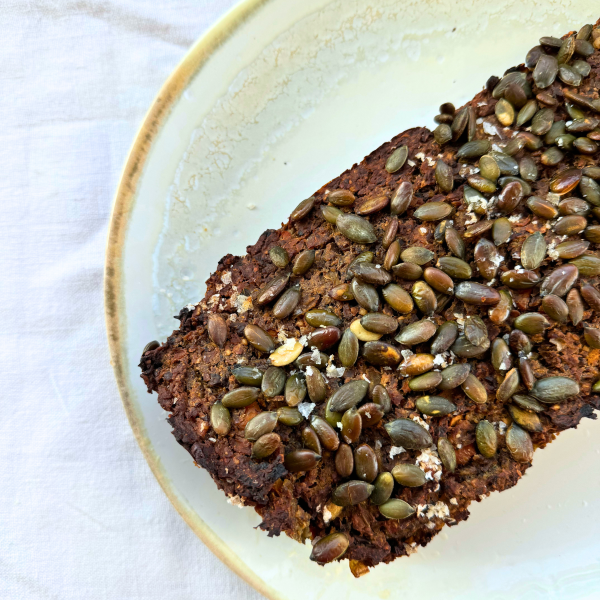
554,155
272,289
217,329
474,389
331,213
592,337
438,280
303,209
356,229
481,184
352,493
315,385
499,313
501,231
585,32
541,208
366,295
510,197
303,262
574,206
547,98
533,56
556,308
519,444
362,334
507,164
240,397
409,475
592,296
260,425
407,271
584,125
341,198
329,548
486,438
435,406
344,461
447,454
416,364
516,95
363,257
408,434
287,302
365,463
588,265
463,348
565,181
382,398
519,342
424,297
265,445
312,359
505,112
396,159
531,323
504,181
289,416
348,349
248,375
384,486
545,71
416,333
391,256
332,417
572,248
153,345
542,121
402,198
273,382
417,255
557,129
454,242
508,388
286,354
396,509
370,414
342,292
381,354
591,171
526,372
348,395
592,233
476,293
514,146
351,426
390,234
590,190
301,460
520,280
501,357
460,123
455,267
442,134
487,259
584,48
528,403
569,75
327,435
527,112
513,77
279,257
473,149
552,390
433,211
453,376
488,167
561,280
585,145
425,382
319,317
528,169
474,199
379,323
220,419
570,225
475,330
580,100
397,298
575,305
323,338
295,389
446,336
533,251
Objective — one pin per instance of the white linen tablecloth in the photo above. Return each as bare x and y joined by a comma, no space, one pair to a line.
81,515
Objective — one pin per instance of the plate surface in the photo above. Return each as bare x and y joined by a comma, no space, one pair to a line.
278,98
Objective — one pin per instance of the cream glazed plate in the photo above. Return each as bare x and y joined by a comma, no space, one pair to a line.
277,99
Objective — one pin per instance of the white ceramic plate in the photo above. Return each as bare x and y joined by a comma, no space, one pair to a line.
276,99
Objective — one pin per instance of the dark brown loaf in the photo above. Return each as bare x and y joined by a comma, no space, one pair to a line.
193,370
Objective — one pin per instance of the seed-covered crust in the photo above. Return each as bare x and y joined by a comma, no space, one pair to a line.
483,240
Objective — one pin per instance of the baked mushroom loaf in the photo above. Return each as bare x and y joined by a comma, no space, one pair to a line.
401,346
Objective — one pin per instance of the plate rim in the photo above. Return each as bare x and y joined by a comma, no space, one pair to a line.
122,206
